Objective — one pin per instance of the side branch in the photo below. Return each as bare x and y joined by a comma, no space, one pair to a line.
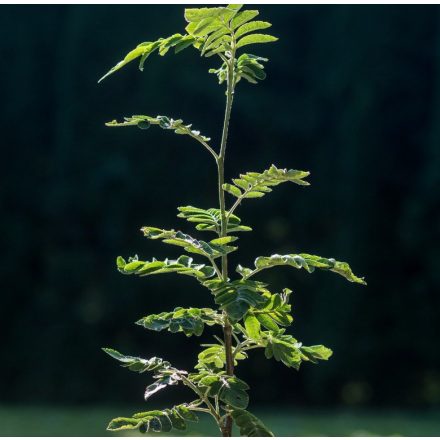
143,122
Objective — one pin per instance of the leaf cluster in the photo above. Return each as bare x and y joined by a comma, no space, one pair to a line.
190,321
212,31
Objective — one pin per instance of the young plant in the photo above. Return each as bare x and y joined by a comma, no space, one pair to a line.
248,313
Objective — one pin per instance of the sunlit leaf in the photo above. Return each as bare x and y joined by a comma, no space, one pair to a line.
210,219
306,261
156,420
144,50
251,27
214,358
243,17
252,326
255,39
164,380
254,185
229,389
189,321
210,249
183,265
164,122
236,297
138,364
286,349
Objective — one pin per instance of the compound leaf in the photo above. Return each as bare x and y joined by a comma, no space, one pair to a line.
252,184
164,122
306,261
156,420
236,297
144,50
286,349
190,321
183,265
273,313
214,358
137,364
210,250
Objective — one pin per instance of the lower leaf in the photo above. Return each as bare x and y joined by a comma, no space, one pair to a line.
155,421
250,425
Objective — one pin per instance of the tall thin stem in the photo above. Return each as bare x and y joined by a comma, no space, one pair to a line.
227,329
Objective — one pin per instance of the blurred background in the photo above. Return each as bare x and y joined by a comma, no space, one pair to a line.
352,94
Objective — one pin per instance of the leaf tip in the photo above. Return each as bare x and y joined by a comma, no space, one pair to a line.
102,78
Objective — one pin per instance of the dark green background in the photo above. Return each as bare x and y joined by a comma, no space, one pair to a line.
352,94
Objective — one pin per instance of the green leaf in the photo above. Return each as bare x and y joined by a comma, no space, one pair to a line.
229,389
186,413
143,121
243,17
255,39
124,423
233,392
223,240
156,421
249,425
252,326
268,322
210,219
315,353
252,185
204,22
132,55
195,15
211,27
286,349
164,373
210,250
251,27
138,364
163,381
185,42
215,39
275,312
143,125
306,261
177,421
189,321
167,43
183,265
236,297
144,50
214,358
254,195
232,189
